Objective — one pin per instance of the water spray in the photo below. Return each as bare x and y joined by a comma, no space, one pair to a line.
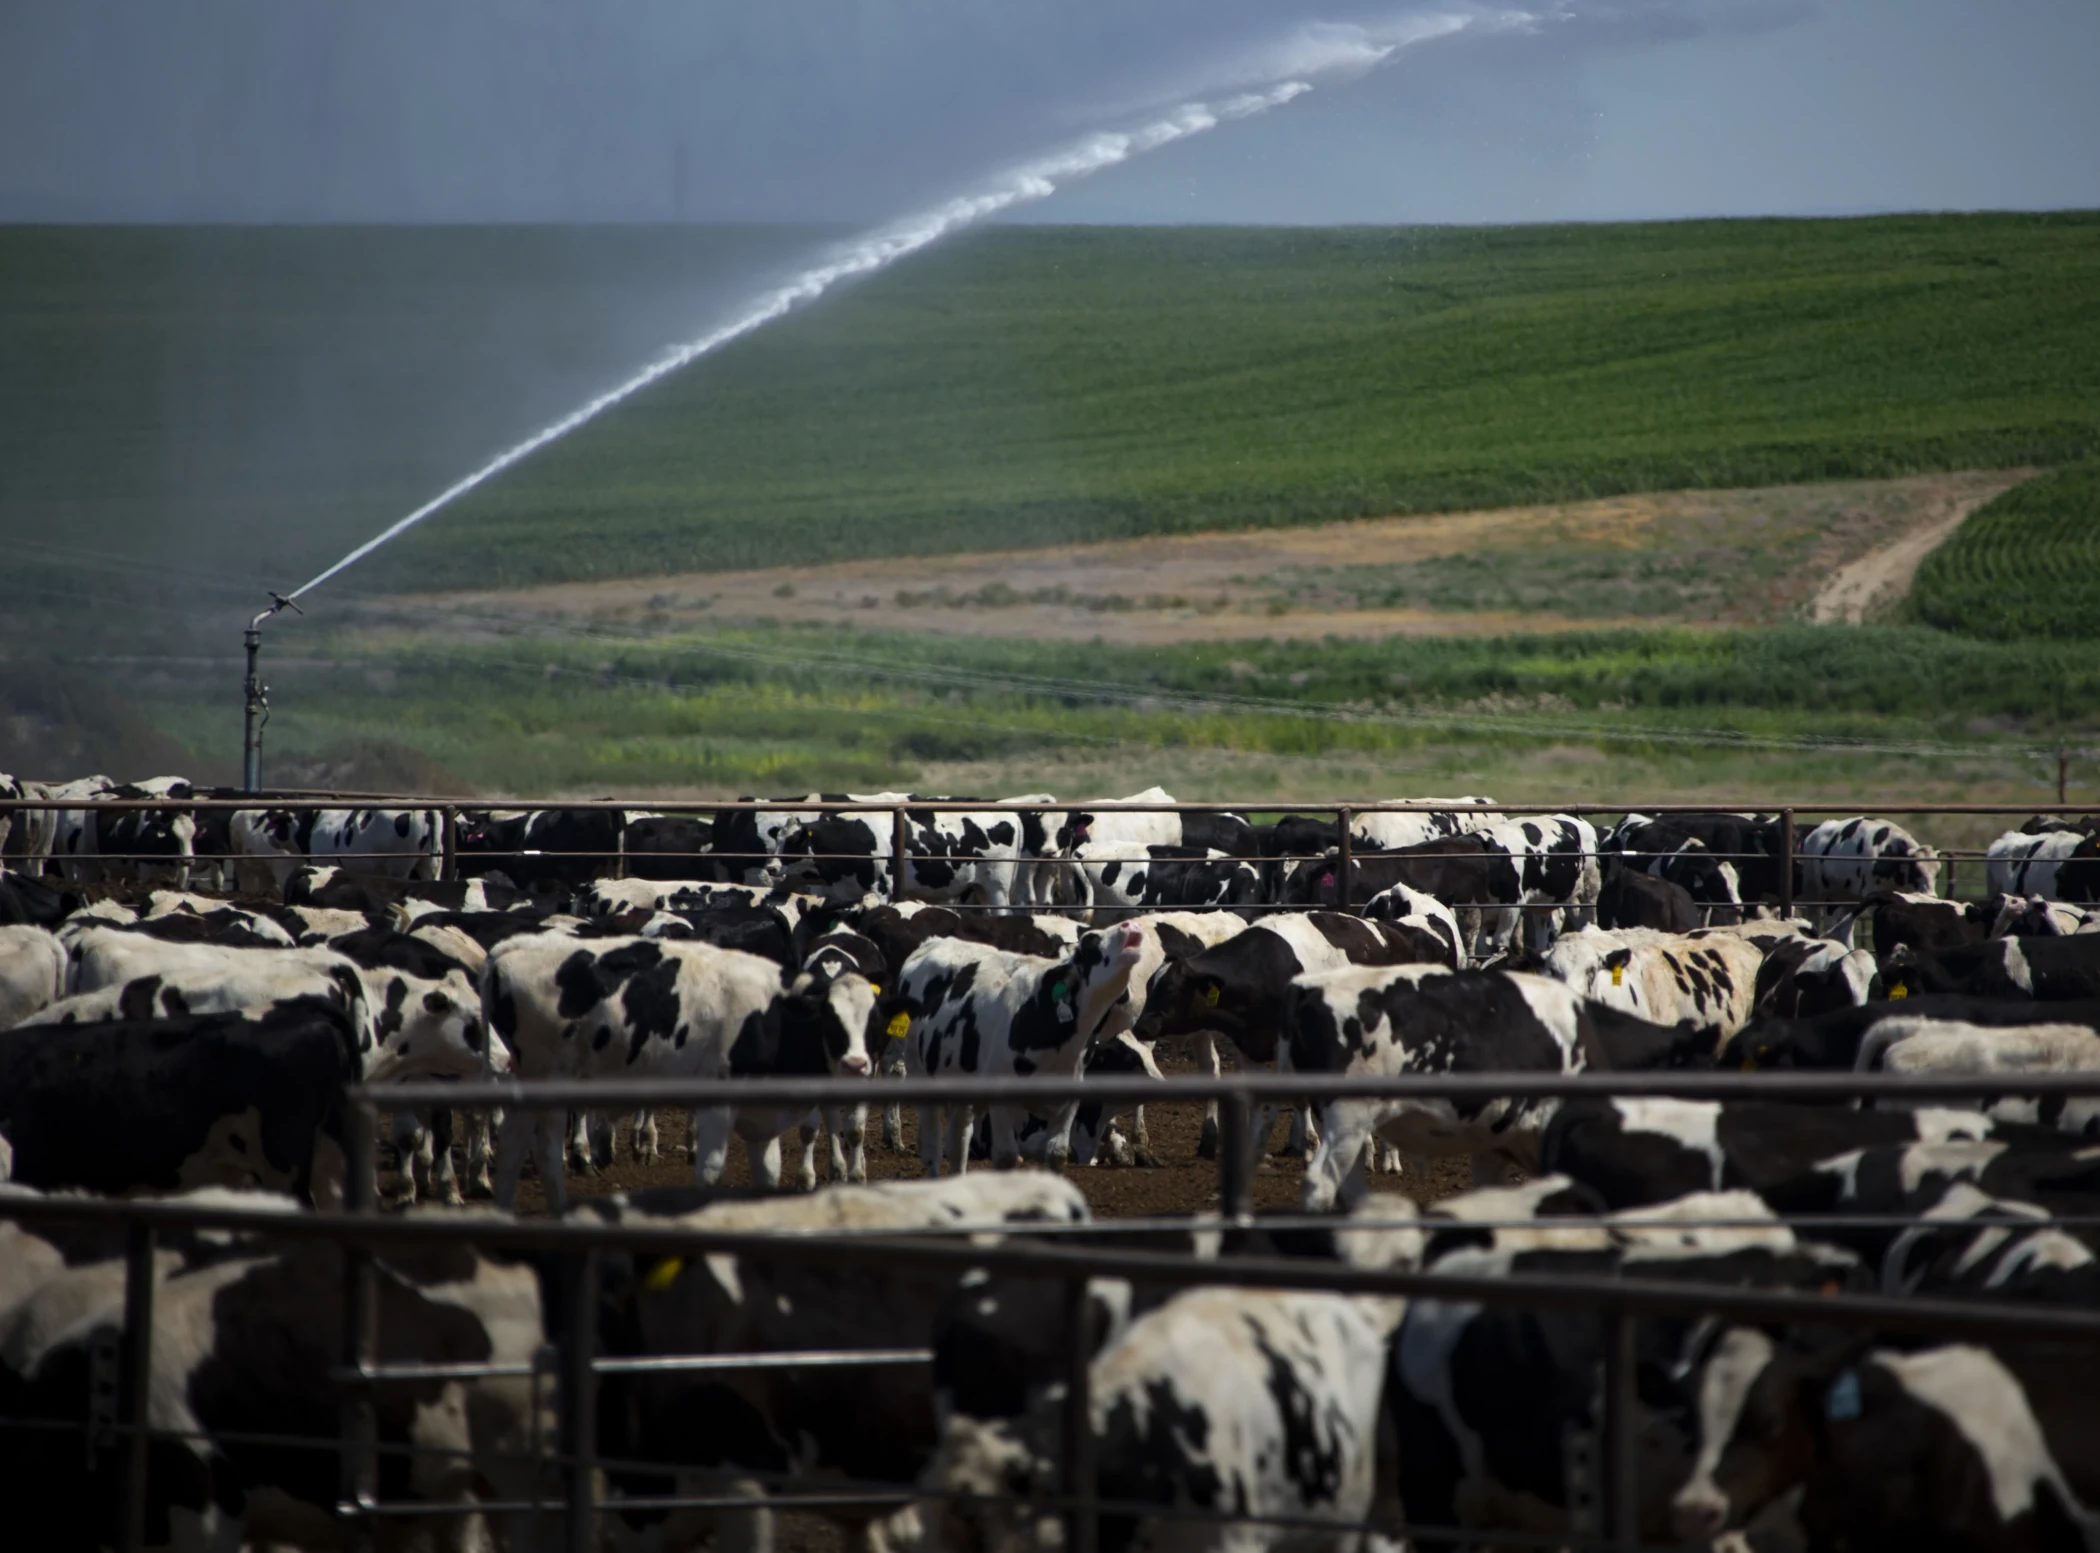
1349,51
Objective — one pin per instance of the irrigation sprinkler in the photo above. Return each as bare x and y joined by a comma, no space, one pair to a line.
255,710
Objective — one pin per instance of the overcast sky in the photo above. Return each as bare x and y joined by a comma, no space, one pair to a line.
859,110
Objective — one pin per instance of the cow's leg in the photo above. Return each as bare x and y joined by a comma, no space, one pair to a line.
764,1160
410,1137
806,1168
547,1154
1006,1149
579,1142
1142,1154
895,1066
444,1180
961,1123
933,1122
514,1140
1294,1140
646,1138
481,1129
711,1133
1207,1141
1334,1175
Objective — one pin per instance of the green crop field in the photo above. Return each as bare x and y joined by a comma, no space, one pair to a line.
2025,565
1027,387
254,402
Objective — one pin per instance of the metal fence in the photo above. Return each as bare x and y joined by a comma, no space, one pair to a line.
116,1416
443,859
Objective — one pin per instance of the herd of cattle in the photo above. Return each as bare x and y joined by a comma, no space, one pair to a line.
157,1039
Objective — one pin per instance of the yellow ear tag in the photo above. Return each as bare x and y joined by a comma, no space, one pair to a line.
899,1023
664,1274
1210,997
875,988
1899,991
1618,975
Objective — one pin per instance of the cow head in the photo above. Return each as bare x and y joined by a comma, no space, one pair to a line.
1181,1001
1089,987
424,1028
839,1011
1760,1412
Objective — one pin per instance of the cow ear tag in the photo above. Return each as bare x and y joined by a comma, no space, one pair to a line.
1899,991
1842,1402
664,1274
898,1025
1618,975
1210,996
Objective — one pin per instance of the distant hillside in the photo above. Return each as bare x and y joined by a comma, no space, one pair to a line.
2026,565
1033,386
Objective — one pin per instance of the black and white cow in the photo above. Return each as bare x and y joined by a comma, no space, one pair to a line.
1947,1447
1388,1020
2047,970
167,1104
1107,857
1948,1047
1431,924
1222,1401
746,843
244,1354
271,844
1843,861
989,858
1833,1040
1708,979
981,1011
541,849
1485,1401
574,1008
1634,1151
1391,829
335,888
32,973
1802,977
667,846
2055,864
1666,851
725,1437
1240,990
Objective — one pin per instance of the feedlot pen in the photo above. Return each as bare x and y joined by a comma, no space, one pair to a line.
569,1367
565,1515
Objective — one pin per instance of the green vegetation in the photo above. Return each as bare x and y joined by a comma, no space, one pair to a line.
2025,565
779,709
253,402
1032,386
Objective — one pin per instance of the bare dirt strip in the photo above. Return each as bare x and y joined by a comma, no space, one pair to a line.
1834,551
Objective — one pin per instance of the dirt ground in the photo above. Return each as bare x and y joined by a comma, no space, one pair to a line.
1181,1183
1861,538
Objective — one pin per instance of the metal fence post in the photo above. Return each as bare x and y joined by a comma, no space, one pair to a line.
135,1393
360,1418
900,853
1236,1146
1620,1428
579,1404
1341,873
448,865
1786,863
1082,1518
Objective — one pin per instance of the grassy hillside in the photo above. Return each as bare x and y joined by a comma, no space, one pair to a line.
1031,386
2024,565
247,404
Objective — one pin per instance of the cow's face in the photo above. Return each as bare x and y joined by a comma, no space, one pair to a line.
1756,1438
425,1029
1179,1001
1102,965
842,1009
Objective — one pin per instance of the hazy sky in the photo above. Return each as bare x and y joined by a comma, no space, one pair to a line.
856,110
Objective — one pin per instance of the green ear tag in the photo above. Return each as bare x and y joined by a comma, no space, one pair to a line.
1210,996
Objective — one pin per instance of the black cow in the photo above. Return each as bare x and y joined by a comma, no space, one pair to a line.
2047,970
1833,1040
543,848
1631,899
28,901
670,846
165,1104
